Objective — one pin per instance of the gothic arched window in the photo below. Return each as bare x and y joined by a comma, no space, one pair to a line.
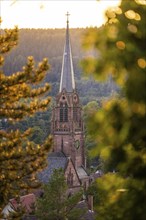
63,112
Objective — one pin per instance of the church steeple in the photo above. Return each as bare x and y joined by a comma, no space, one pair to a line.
67,122
67,81
67,129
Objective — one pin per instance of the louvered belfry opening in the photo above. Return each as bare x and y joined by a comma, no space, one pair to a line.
63,112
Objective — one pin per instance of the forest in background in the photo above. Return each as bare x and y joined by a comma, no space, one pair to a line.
49,43
118,128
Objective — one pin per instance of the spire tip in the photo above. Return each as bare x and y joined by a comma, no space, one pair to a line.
67,14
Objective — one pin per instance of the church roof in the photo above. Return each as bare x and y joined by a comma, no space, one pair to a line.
67,81
56,160
82,173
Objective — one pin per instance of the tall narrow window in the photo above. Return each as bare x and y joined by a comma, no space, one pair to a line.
63,112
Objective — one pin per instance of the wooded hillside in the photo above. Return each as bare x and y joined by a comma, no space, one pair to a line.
49,43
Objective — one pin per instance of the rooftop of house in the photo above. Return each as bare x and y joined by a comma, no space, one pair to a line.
26,202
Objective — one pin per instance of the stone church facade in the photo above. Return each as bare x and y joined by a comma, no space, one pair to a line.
67,128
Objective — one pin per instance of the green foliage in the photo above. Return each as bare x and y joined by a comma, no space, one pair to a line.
20,159
120,198
119,127
40,124
89,110
55,203
94,191
50,44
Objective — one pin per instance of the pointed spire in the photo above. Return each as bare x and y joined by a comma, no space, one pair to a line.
67,74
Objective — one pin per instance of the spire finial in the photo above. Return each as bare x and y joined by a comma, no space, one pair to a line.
67,14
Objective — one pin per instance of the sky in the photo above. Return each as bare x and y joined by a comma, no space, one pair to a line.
51,13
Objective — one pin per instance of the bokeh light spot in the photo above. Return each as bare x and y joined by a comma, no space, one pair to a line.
120,45
141,63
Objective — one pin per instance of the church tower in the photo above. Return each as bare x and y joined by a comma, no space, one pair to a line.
67,123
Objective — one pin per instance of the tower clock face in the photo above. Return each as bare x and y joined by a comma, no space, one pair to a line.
77,144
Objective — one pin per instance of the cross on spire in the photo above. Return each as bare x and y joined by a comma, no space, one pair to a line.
67,15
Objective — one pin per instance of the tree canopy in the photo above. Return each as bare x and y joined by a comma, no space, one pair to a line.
55,204
119,127
20,159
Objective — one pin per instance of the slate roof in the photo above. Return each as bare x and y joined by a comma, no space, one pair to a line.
67,81
81,172
88,215
56,160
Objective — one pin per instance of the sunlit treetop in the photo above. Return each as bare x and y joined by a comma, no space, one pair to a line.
20,95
